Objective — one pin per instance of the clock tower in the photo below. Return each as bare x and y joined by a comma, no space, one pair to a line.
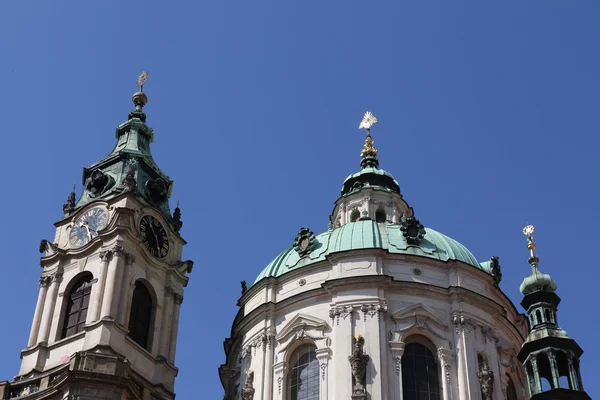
106,319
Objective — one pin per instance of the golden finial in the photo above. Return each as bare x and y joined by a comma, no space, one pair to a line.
367,122
528,231
139,98
142,79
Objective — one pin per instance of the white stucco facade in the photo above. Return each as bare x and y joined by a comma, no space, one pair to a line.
390,296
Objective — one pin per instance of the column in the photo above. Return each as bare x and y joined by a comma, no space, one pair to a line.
116,263
445,357
178,299
165,332
397,349
536,384
98,288
573,374
49,304
554,370
37,315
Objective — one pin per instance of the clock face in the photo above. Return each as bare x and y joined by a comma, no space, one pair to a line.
154,236
86,227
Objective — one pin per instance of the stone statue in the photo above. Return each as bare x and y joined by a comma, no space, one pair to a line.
248,390
358,363
486,378
129,182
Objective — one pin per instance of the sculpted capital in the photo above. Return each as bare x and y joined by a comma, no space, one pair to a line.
45,280
120,251
106,255
178,298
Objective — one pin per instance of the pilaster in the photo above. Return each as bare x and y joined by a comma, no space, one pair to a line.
98,289
323,356
342,317
49,304
177,300
167,315
397,350
446,361
280,371
37,315
464,333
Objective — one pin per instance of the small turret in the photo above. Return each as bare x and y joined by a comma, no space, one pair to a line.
549,355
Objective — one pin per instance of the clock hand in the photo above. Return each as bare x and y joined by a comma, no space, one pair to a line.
87,228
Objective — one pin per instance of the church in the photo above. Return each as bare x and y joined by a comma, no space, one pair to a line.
376,307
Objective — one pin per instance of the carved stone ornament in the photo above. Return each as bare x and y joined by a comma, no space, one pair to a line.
412,230
340,311
98,183
69,206
156,190
48,248
495,269
373,309
486,378
304,242
358,363
129,182
177,218
248,389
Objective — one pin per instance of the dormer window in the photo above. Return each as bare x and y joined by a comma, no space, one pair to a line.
354,216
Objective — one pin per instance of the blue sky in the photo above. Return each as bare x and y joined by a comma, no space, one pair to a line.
488,119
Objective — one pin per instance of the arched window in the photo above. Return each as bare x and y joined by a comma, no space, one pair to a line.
380,216
547,314
354,216
538,316
420,376
78,301
511,390
304,374
141,315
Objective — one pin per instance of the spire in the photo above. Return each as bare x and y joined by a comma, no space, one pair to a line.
139,98
536,281
369,152
548,352
130,167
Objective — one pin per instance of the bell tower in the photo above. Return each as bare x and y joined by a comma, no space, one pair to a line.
106,320
550,356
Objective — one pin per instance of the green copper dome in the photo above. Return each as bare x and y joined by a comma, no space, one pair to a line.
370,177
370,235
537,282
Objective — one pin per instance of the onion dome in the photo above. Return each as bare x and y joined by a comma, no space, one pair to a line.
537,281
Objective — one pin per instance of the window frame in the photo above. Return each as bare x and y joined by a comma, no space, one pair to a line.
418,340
80,285
293,362
134,317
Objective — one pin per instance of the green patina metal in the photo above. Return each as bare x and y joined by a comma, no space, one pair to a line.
370,177
129,167
370,235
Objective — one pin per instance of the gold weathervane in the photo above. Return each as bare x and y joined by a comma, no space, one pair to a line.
142,79
528,231
367,122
